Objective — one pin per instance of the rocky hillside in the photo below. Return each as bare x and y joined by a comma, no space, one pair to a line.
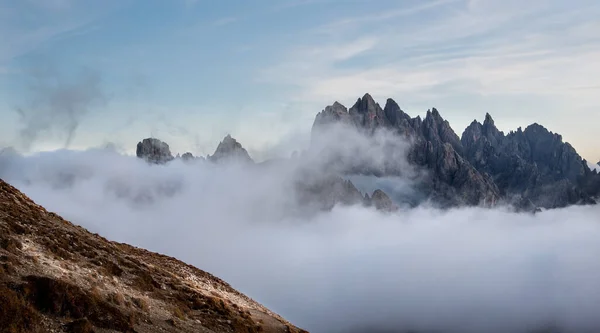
58,277
530,168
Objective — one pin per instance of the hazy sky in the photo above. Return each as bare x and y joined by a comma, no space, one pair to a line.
191,71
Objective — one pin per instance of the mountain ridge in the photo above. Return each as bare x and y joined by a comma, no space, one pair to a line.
532,168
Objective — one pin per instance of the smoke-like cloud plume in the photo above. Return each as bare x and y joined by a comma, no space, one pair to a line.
56,105
352,269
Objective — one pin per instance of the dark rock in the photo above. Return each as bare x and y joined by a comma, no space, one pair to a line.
382,201
230,150
326,191
187,156
154,151
453,180
368,115
534,163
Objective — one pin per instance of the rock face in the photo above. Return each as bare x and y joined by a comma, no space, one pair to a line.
381,201
324,192
533,163
230,150
154,151
58,277
530,168
453,180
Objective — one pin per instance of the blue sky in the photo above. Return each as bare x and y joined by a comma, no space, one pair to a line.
191,71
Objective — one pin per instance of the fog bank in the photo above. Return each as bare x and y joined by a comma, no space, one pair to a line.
353,269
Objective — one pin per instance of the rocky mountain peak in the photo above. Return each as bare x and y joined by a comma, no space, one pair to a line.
365,103
381,201
396,116
438,130
489,121
367,114
154,151
231,150
332,114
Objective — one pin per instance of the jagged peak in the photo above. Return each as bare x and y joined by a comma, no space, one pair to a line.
475,123
391,104
489,121
337,104
230,147
368,98
364,103
434,115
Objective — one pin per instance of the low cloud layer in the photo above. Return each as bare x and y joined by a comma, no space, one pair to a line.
349,270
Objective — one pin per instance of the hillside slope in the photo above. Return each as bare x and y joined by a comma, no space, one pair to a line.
58,277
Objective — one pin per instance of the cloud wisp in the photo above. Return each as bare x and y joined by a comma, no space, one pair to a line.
57,106
352,269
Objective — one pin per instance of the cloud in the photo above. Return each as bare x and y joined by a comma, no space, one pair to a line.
349,270
56,105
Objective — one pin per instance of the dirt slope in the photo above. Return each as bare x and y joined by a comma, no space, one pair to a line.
58,277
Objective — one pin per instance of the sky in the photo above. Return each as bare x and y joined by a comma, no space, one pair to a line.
81,73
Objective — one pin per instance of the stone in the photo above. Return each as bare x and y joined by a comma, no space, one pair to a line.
154,151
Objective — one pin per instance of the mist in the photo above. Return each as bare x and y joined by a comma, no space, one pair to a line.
351,269
56,104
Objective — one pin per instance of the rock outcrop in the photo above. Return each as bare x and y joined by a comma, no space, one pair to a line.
187,156
533,163
324,192
154,151
58,277
229,150
381,201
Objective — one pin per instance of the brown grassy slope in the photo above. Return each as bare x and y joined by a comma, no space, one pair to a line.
55,276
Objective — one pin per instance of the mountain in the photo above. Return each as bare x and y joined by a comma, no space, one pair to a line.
530,168
533,163
154,151
454,181
58,277
326,191
230,150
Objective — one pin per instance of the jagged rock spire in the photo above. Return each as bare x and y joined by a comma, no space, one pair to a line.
230,150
